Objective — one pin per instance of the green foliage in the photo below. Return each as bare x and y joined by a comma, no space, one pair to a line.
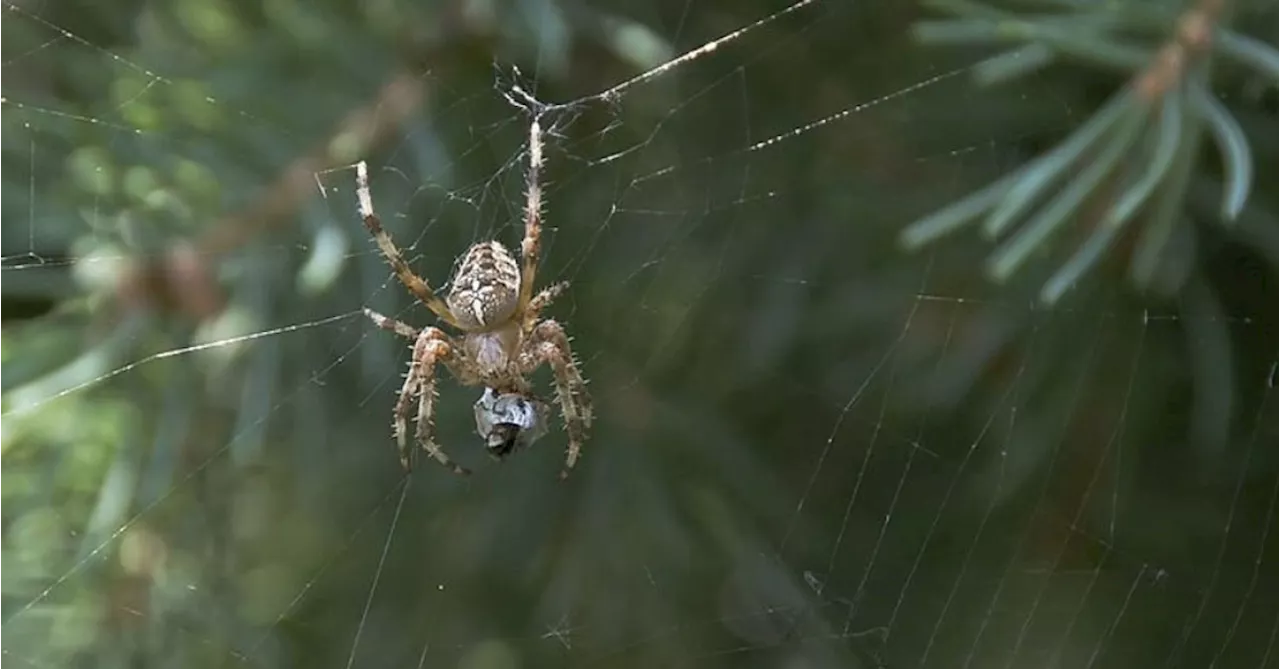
1136,155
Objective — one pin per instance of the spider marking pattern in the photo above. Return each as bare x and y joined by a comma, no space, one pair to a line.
503,340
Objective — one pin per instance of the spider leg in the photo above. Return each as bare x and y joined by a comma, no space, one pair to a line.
387,323
541,301
432,347
416,284
550,344
400,417
531,245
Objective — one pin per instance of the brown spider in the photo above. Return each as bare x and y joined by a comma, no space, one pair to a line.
491,300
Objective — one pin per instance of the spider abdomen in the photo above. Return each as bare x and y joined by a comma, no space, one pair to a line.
486,289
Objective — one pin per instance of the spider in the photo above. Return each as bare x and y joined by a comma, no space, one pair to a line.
492,302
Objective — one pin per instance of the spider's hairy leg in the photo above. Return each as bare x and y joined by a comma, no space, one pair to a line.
550,344
531,245
387,323
541,301
391,252
431,348
400,418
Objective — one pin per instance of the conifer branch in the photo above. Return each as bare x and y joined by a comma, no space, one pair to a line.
1135,156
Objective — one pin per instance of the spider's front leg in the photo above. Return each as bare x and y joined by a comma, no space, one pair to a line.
531,245
432,347
388,323
550,344
539,302
416,284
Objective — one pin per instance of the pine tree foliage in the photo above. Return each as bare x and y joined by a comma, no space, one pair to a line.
1137,157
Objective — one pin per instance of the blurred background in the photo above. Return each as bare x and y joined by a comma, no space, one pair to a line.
814,446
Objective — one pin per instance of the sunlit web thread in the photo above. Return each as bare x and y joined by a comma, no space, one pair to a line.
79,118
125,526
830,443
993,497
937,518
1116,439
1081,383
1253,583
867,455
698,52
40,47
152,76
856,600
845,113
31,198
916,448
707,48
172,353
1009,392
306,587
84,42
377,575
844,411
1176,653
1115,622
1080,509
780,137
791,134
1271,645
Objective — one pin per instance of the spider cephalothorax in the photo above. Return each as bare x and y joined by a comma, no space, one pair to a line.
491,301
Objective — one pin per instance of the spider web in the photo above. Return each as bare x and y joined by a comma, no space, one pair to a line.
811,449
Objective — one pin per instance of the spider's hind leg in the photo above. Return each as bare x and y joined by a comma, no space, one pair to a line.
550,344
426,430
431,348
400,418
